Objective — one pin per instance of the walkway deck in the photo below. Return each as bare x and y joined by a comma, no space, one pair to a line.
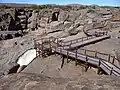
83,41
106,65
110,65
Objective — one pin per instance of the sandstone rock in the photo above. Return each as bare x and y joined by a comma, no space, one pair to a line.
108,16
115,24
26,81
98,25
80,28
67,25
116,17
10,52
55,26
88,26
104,12
63,16
33,21
92,14
73,15
73,29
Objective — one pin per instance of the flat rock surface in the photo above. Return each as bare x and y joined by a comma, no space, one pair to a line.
108,45
27,81
50,66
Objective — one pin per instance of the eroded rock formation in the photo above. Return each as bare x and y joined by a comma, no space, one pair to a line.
26,81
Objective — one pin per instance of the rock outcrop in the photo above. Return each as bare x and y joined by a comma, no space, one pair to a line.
11,50
14,22
26,81
87,19
58,19
18,21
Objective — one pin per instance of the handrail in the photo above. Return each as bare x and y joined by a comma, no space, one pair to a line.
77,40
86,38
85,53
110,69
110,59
100,60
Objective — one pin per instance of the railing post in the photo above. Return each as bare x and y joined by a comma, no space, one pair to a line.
96,54
86,55
87,66
70,44
76,57
86,58
85,52
109,58
99,63
111,71
67,55
113,59
60,51
62,61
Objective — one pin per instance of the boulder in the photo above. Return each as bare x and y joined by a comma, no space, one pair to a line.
11,50
73,30
103,11
67,24
63,16
55,26
92,14
115,24
116,17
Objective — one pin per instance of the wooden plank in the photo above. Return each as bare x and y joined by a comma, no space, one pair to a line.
88,41
71,54
96,61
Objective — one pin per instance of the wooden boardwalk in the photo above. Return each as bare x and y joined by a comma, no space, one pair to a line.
110,64
83,41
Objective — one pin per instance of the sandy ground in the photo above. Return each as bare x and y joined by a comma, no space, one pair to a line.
50,67
106,46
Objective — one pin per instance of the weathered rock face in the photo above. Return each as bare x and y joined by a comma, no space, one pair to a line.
32,21
10,51
57,19
13,22
7,17
25,81
89,19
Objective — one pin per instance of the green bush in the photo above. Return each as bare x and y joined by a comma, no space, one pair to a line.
4,6
83,7
47,6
